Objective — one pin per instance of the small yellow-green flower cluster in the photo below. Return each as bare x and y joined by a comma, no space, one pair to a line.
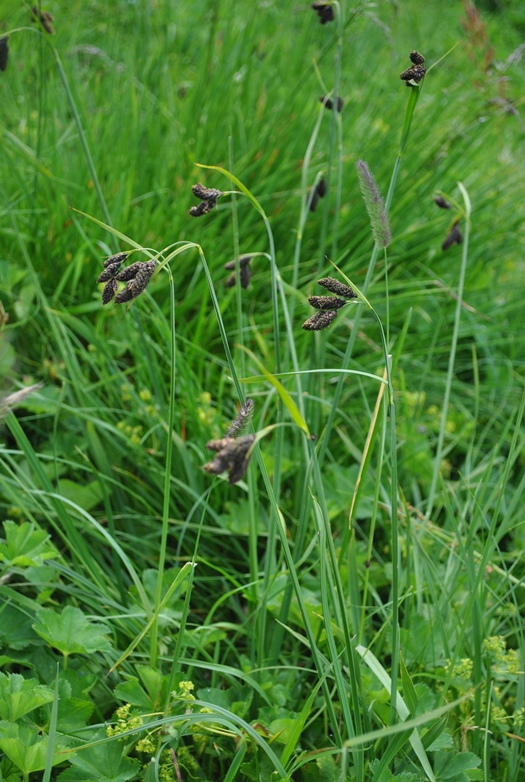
503,661
146,745
463,668
185,691
133,432
124,721
145,396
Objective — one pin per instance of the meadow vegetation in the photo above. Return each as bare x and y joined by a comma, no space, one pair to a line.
331,587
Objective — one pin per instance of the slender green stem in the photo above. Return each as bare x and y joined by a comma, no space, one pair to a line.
412,100
451,359
154,651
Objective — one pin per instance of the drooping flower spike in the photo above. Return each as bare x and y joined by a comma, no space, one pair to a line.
208,198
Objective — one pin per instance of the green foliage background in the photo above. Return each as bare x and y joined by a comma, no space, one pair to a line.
109,118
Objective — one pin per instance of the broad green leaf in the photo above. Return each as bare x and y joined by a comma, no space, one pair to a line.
103,763
16,630
85,496
387,776
8,771
71,632
24,545
322,769
132,692
19,696
451,766
24,747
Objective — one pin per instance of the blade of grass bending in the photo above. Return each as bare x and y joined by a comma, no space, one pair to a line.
64,526
181,575
402,709
326,587
278,521
281,390
175,663
338,598
396,565
114,545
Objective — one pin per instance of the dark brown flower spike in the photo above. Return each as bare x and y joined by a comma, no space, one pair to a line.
453,237
118,258
413,75
244,260
4,52
129,272
206,193
334,286
208,197
109,272
321,320
45,19
329,103
138,284
109,291
245,272
324,11
442,202
319,191
201,209
326,302
241,419
232,456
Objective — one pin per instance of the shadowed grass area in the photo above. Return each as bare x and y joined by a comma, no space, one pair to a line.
359,564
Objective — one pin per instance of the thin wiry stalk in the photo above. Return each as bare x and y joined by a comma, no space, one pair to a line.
278,521
154,651
412,100
452,358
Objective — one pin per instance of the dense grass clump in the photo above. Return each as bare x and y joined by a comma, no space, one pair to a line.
261,391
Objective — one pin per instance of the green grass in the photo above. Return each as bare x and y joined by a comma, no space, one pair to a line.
352,609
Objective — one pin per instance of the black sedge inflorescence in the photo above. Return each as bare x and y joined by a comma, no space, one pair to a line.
324,11
413,75
137,276
245,271
232,452
208,199
442,202
328,306
330,104
4,52
454,236
321,320
339,288
326,302
317,192
45,19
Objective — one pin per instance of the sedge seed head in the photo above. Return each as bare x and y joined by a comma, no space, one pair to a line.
4,52
339,288
326,302
321,320
454,236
